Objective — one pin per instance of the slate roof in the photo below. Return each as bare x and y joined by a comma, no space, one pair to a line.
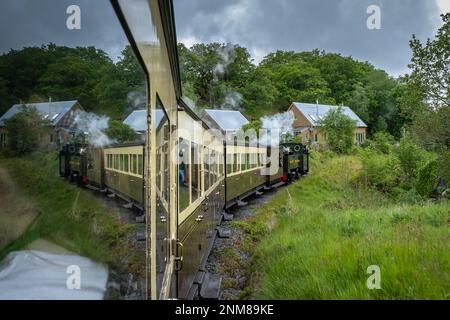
314,112
227,120
53,111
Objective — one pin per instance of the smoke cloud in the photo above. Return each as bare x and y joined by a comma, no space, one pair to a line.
94,127
227,56
137,100
276,126
281,121
233,101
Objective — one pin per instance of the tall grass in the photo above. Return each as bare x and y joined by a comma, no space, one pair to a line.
330,230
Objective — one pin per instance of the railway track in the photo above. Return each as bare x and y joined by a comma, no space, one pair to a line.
227,257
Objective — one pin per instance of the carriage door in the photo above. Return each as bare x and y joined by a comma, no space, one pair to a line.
161,126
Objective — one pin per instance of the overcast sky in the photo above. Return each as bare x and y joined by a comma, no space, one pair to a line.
260,25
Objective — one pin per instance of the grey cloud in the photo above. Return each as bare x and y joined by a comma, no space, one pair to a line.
35,22
332,25
260,25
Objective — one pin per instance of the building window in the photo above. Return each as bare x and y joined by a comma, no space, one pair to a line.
316,138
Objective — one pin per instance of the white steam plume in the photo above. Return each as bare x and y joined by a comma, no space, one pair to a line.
227,56
281,123
137,100
93,126
233,101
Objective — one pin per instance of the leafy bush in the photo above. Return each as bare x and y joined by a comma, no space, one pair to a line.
444,167
380,171
339,130
25,129
411,158
381,141
427,179
120,132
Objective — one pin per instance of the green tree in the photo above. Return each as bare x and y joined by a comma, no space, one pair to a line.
430,66
427,92
25,129
338,129
120,132
83,73
260,94
214,70
130,70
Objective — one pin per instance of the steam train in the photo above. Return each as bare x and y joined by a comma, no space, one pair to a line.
184,177
212,178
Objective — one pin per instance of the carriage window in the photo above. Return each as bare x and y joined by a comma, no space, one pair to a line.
229,163
125,163
141,164
221,164
121,162
134,166
213,175
247,160
116,161
243,164
184,174
196,186
235,163
207,168
166,172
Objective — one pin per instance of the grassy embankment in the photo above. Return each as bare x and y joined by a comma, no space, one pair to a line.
38,204
316,239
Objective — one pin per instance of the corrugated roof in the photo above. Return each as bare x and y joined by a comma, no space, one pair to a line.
228,119
52,111
314,112
137,120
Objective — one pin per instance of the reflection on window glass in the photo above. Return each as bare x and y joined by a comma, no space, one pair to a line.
213,173
229,163
206,168
116,161
184,174
141,164
134,164
235,162
243,163
126,168
221,165
195,171
166,183
158,169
